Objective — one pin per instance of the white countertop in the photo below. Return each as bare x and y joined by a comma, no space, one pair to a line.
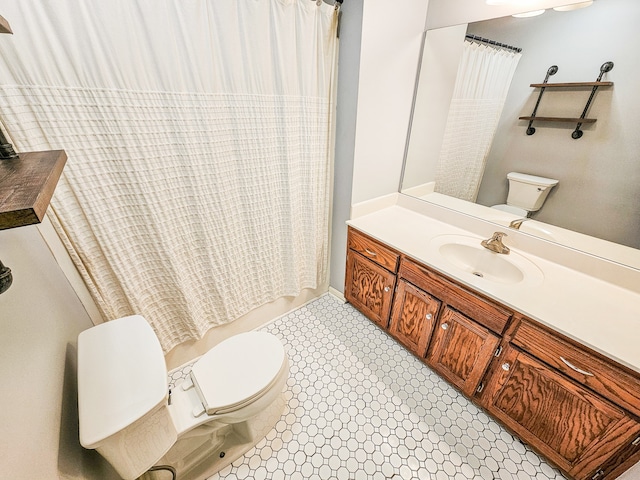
597,313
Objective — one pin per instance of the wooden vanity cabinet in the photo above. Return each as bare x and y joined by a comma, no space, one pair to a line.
575,428
370,278
576,407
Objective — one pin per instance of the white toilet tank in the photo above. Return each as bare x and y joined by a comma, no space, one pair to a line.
528,191
122,395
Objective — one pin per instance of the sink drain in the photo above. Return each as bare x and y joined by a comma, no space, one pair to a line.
478,274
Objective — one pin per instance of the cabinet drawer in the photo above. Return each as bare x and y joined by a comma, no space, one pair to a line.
588,368
378,253
488,314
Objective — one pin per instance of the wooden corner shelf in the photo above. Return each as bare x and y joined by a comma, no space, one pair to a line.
572,84
560,119
26,186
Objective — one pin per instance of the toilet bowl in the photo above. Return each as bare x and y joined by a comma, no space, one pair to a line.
231,399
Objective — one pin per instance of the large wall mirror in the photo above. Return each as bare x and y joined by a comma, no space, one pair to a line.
595,205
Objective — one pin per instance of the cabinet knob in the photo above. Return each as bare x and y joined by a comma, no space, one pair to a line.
445,326
386,289
429,316
506,367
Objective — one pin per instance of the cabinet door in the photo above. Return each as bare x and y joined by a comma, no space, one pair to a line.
461,350
574,427
369,288
414,314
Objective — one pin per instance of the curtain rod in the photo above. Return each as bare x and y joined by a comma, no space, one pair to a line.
493,42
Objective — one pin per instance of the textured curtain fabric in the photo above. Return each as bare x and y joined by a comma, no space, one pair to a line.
482,83
199,143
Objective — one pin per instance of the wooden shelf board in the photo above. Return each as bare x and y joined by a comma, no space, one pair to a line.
26,186
560,119
572,84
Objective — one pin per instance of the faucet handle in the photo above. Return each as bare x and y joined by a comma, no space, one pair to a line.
495,243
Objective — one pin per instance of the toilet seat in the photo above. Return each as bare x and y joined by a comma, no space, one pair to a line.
511,209
237,371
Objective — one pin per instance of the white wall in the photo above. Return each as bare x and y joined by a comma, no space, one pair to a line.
389,57
379,56
40,319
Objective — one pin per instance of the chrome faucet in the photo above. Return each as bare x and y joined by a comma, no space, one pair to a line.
518,223
495,243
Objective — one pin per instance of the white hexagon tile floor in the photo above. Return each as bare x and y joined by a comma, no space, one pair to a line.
360,406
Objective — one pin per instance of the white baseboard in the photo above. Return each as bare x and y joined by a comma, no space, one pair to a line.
338,294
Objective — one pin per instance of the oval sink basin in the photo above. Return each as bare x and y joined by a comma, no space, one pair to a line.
466,254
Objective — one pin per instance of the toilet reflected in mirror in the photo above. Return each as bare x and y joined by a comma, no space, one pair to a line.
527,193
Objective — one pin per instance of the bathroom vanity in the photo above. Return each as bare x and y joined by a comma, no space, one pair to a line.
528,340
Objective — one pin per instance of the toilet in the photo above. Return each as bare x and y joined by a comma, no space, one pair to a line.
232,398
527,193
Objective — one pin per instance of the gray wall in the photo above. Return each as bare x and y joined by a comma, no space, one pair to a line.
599,174
40,319
347,102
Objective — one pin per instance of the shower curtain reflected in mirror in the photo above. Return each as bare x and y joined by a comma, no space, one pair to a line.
482,82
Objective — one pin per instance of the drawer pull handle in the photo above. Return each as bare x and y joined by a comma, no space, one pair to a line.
636,442
429,316
444,326
506,367
373,254
573,367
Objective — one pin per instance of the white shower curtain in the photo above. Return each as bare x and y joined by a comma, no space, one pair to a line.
199,141
482,83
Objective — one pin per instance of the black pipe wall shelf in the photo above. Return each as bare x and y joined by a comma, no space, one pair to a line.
577,133
26,186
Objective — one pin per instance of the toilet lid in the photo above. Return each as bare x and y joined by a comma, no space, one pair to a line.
237,369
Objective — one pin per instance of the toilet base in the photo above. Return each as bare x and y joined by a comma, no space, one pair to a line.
209,448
